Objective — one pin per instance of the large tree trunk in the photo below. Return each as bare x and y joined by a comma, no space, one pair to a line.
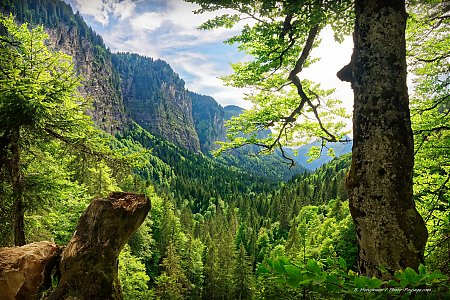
16,183
89,263
390,231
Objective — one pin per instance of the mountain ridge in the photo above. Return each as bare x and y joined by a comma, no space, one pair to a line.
127,87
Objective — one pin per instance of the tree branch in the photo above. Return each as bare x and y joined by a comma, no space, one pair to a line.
440,128
438,194
437,102
443,56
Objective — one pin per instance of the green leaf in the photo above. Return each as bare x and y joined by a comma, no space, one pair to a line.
305,282
342,263
330,261
422,269
284,260
313,266
404,282
292,271
360,282
320,279
436,275
278,267
411,275
293,282
393,283
398,274
374,283
280,280
382,269
262,270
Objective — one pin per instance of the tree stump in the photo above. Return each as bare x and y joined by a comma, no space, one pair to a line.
89,263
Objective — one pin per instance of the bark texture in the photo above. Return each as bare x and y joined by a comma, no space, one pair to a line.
16,183
390,231
26,271
89,263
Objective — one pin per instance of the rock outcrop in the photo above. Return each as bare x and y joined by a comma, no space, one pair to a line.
101,81
26,271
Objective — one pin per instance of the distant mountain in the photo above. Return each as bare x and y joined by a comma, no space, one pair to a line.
127,88
209,118
232,111
156,98
302,158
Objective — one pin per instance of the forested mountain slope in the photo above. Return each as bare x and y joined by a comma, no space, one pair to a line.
126,87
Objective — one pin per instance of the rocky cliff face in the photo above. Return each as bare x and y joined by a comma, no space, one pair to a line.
100,80
156,99
209,118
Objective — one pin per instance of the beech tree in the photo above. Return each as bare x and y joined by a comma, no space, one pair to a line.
428,37
390,231
39,102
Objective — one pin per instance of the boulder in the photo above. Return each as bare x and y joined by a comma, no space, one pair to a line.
26,271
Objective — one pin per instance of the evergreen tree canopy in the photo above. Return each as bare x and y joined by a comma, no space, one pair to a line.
39,103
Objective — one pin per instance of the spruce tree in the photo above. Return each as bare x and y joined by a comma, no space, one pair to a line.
243,281
172,284
39,103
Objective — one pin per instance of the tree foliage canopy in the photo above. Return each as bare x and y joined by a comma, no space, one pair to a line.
429,60
279,37
38,87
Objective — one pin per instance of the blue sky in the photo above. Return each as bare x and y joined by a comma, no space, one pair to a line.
167,29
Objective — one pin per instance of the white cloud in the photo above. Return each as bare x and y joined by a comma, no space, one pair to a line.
101,9
123,9
95,9
170,32
148,21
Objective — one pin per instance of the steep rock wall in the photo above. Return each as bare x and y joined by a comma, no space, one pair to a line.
101,81
69,33
156,99
209,118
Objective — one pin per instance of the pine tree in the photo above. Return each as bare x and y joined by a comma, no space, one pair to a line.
212,273
293,243
243,281
193,266
172,284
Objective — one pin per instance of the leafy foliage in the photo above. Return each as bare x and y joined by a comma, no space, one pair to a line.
39,104
331,278
133,279
428,34
279,39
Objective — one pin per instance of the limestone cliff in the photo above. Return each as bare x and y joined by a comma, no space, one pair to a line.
209,118
100,80
156,98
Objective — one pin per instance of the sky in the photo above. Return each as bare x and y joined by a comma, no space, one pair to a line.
167,29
